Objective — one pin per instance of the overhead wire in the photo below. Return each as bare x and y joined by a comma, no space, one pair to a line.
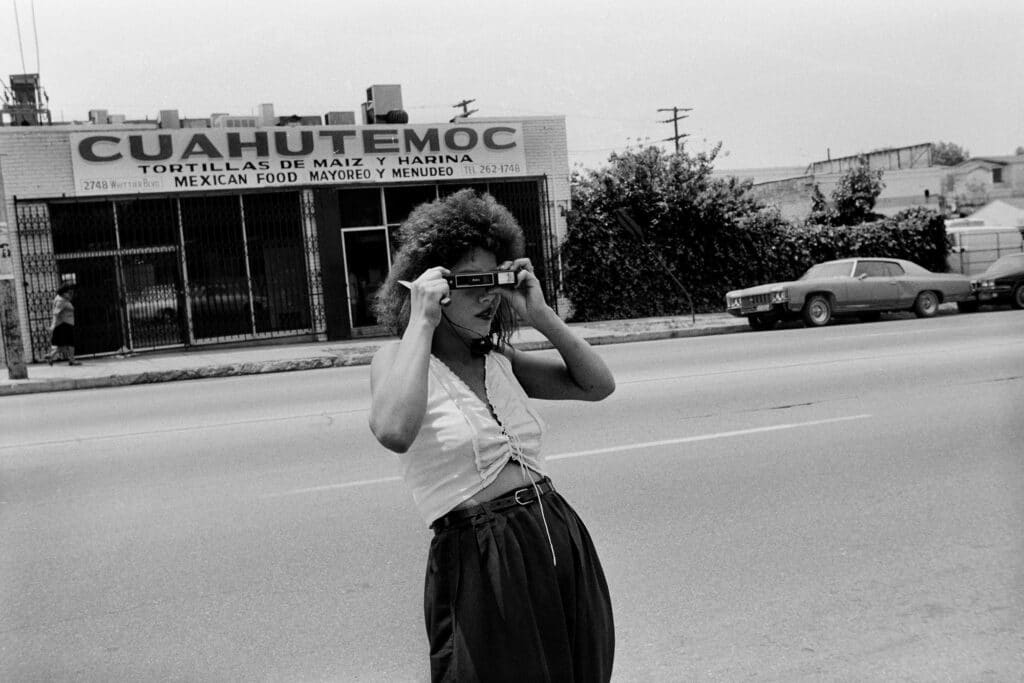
17,23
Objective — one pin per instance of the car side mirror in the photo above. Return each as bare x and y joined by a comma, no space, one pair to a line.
862,276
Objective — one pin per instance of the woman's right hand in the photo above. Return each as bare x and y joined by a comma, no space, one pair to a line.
428,293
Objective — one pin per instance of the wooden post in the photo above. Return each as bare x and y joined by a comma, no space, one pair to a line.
10,329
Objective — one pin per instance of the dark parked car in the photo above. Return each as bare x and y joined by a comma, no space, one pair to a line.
1003,282
854,286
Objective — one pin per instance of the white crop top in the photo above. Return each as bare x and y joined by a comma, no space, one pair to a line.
461,448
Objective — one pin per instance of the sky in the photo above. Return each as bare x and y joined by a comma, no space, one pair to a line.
780,83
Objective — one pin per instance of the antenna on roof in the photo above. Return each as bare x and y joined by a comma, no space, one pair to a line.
35,35
17,23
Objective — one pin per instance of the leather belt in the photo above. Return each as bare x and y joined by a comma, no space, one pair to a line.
523,496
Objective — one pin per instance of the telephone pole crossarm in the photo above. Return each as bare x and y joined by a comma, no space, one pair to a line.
676,118
466,111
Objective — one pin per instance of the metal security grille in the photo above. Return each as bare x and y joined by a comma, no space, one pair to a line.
165,271
39,272
528,201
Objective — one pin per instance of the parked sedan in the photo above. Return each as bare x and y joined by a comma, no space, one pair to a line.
864,287
213,300
1003,282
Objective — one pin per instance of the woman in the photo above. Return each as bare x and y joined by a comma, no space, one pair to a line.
62,327
514,588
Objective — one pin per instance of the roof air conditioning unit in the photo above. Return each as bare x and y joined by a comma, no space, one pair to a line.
340,118
383,101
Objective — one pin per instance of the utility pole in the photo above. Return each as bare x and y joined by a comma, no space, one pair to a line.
466,111
10,329
676,118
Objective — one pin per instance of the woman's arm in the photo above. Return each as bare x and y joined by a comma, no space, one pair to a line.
398,373
580,374
398,386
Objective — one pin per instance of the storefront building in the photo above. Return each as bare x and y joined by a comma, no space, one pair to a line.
237,233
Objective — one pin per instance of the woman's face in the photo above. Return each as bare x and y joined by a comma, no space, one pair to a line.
473,308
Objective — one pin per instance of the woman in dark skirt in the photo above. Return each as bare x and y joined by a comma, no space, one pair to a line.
514,587
62,327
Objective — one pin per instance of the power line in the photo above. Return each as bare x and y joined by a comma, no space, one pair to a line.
676,118
17,23
35,35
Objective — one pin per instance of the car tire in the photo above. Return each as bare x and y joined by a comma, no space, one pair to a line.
967,306
1017,297
926,305
762,322
817,311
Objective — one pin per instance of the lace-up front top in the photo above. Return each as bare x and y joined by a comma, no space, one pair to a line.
462,446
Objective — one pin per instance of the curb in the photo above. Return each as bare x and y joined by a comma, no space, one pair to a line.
358,356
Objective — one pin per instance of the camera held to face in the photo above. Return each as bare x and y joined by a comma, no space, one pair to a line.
494,278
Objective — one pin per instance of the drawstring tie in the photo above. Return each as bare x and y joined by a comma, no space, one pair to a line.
517,452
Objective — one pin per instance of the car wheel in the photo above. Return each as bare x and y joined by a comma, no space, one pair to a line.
1017,299
817,311
762,322
870,316
967,306
926,305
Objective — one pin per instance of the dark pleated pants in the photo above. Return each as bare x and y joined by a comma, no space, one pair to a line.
498,609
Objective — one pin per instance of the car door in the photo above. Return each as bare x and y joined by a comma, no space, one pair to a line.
872,288
907,286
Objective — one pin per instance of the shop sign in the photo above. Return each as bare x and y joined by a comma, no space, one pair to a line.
206,159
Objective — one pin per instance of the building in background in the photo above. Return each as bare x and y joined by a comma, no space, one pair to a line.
910,176
182,231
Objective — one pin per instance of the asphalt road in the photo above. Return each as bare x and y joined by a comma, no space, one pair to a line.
843,503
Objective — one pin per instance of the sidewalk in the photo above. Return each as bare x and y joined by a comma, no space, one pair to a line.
203,362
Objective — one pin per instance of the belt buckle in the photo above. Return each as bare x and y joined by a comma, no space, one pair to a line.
525,501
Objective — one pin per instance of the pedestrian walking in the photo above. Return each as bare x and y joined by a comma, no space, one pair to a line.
62,327
514,588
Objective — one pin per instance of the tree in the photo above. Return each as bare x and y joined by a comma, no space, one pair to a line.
821,212
1019,151
948,154
853,199
706,232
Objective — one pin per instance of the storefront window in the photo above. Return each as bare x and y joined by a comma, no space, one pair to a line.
277,266
82,226
400,201
366,263
445,190
147,223
360,207
215,260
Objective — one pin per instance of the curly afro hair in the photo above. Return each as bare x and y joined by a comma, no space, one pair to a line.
440,233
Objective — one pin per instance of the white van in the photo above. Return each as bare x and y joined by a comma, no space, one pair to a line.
973,248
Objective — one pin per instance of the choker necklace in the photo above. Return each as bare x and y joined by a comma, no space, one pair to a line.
478,347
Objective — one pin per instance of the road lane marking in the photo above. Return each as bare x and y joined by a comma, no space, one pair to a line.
600,451
335,487
705,437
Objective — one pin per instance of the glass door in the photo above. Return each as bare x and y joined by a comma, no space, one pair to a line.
367,259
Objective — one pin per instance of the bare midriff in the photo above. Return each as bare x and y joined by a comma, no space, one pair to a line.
510,478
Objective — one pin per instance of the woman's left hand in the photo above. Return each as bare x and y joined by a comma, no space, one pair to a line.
527,297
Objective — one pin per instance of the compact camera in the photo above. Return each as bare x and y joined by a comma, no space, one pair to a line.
494,278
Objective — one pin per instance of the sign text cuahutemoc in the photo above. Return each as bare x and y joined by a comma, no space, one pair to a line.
204,159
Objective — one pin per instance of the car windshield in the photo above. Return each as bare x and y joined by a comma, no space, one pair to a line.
1006,264
828,270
